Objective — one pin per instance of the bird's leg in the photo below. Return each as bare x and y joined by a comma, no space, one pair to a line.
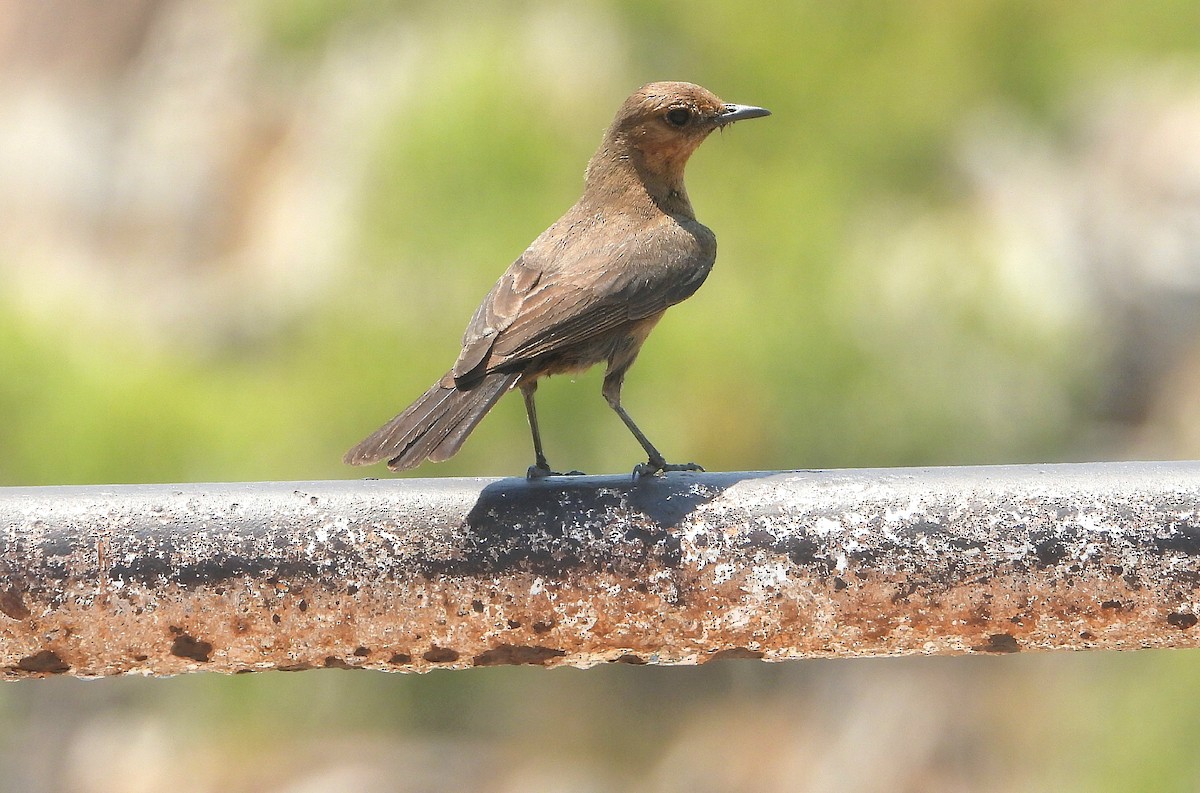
540,469
655,464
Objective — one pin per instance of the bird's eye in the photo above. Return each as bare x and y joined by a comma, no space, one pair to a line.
679,116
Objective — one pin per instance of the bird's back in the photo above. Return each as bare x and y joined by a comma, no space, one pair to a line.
583,282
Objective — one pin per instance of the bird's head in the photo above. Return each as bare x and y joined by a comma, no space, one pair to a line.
661,124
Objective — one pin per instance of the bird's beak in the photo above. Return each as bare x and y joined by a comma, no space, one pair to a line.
733,113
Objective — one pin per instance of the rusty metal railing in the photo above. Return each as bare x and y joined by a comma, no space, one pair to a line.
416,574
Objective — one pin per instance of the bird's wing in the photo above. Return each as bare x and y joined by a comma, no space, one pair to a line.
497,311
533,311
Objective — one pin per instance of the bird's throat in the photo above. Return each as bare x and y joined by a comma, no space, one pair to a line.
625,175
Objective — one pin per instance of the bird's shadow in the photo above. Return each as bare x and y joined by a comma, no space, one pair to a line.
552,525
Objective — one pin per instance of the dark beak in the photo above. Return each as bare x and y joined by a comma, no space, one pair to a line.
733,113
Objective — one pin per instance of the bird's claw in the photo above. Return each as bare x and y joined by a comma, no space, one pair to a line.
656,467
543,471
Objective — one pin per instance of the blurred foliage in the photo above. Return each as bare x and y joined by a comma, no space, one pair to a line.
828,335
467,168
780,361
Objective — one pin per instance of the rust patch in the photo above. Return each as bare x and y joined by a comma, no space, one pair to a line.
735,652
301,667
1182,620
804,564
46,661
186,646
440,655
999,643
517,654
12,604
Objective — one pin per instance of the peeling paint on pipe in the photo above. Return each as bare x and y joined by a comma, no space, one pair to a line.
411,575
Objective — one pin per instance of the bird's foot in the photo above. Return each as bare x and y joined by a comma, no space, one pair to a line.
543,471
660,466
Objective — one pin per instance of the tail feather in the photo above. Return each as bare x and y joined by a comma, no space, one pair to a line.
433,427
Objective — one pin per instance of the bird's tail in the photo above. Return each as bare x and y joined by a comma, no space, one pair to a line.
434,426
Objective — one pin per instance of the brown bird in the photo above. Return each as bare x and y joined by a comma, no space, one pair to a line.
589,289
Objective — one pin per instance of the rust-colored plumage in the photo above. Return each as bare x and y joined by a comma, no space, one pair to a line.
589,289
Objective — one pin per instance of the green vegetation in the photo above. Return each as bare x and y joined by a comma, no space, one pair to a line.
812,360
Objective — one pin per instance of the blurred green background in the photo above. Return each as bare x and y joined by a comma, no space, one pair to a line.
236,237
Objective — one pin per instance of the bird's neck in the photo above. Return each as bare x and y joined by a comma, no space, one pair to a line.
623,175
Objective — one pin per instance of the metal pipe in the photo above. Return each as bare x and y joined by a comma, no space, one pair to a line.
411,575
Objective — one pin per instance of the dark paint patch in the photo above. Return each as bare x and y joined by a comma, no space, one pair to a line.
759,537
44,661
516,654
400,659
150,568
999,643
543,627
1048,549
927,528
1185,538
1182,620
185,646
477,606
440,655
333,662
963,544
801,550
1111,604
58,547
361,652
154,567
633,660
